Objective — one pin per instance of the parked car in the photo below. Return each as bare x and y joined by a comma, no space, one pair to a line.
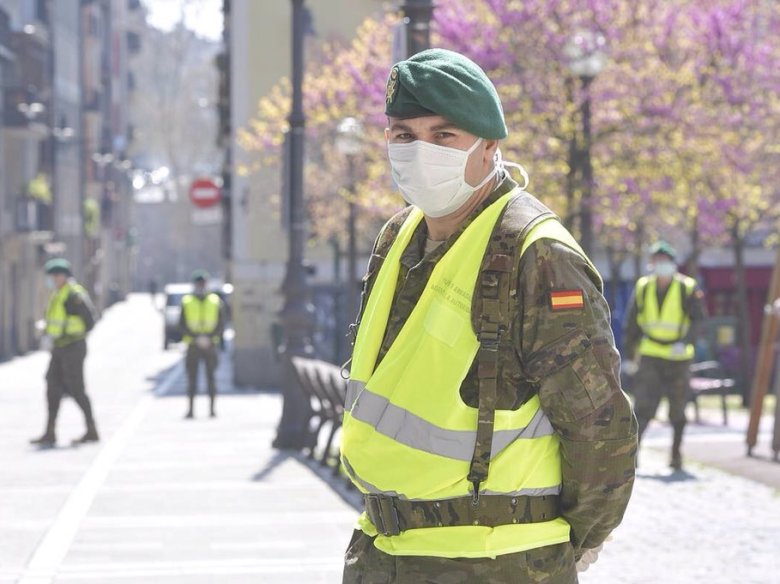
172,311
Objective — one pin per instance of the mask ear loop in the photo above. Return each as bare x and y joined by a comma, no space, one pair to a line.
503,164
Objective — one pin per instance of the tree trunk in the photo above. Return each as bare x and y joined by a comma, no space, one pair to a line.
639,238
743,313
692,262
614,259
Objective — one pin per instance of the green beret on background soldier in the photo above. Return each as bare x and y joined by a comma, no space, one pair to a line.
485,423
69,317
663,321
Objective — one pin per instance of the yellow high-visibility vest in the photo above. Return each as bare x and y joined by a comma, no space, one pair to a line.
59,323
407,433
667,325
201,315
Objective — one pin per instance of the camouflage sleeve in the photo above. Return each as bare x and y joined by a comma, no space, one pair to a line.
697,312
80,305
570,354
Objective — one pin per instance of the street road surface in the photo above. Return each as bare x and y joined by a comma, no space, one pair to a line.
160,499
168,501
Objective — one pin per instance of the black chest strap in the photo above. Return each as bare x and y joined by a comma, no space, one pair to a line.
491,318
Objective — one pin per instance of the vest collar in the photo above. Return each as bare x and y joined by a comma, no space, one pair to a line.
414,253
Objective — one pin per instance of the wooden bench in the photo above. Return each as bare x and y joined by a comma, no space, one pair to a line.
708,378
327,389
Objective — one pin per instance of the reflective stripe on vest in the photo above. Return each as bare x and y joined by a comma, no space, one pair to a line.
667,323
407,432
58,322
201,315
412,430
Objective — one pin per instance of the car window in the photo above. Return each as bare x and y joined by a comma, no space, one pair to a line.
173,299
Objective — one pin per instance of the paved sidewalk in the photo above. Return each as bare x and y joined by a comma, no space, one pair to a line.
161,499
167,500
701,525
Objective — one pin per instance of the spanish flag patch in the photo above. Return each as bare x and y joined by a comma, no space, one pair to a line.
566,300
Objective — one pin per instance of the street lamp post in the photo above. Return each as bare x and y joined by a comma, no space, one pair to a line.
587,58
349,142
296,315
418,15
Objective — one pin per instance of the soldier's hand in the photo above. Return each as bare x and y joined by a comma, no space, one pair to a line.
589,557
630,367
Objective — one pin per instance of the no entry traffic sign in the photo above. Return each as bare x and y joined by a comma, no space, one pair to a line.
204,193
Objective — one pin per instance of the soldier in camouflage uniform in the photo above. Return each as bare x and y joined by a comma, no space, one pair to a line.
562,353
662,366
69,317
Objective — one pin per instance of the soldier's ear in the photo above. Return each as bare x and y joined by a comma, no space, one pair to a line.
490,151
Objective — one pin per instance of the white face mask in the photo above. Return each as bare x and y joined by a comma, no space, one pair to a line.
433,177
664,269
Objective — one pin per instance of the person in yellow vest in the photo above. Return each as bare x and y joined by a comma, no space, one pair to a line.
69,317
201,323
484,421
661,327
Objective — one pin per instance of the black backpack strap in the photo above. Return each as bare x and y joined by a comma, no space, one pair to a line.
491,310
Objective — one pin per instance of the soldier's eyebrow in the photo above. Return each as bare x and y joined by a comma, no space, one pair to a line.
400,126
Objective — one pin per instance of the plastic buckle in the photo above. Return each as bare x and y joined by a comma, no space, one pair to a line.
489,341
383,514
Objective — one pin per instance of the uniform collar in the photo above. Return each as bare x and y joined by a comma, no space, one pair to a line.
414,252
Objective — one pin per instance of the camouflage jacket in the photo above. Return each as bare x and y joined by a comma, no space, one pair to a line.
567,357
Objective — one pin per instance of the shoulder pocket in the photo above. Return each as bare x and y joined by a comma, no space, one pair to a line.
569,368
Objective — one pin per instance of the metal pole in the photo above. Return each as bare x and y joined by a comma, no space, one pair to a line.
352,292
293,431
225,141
586,211
418,14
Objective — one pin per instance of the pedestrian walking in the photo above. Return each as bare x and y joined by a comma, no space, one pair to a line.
69,317
485,422
661,328
201,323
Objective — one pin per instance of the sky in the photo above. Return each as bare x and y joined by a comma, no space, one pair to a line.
202,16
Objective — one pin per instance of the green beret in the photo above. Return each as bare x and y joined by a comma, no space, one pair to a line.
58,266
200,275
440,82
663,248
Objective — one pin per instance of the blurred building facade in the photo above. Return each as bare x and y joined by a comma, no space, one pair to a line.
25,221
64,133
176,134
258,57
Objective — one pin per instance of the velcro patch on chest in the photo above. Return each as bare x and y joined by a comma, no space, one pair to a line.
567,300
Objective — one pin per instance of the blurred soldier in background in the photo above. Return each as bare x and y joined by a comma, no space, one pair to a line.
202,322
661,328
69,317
